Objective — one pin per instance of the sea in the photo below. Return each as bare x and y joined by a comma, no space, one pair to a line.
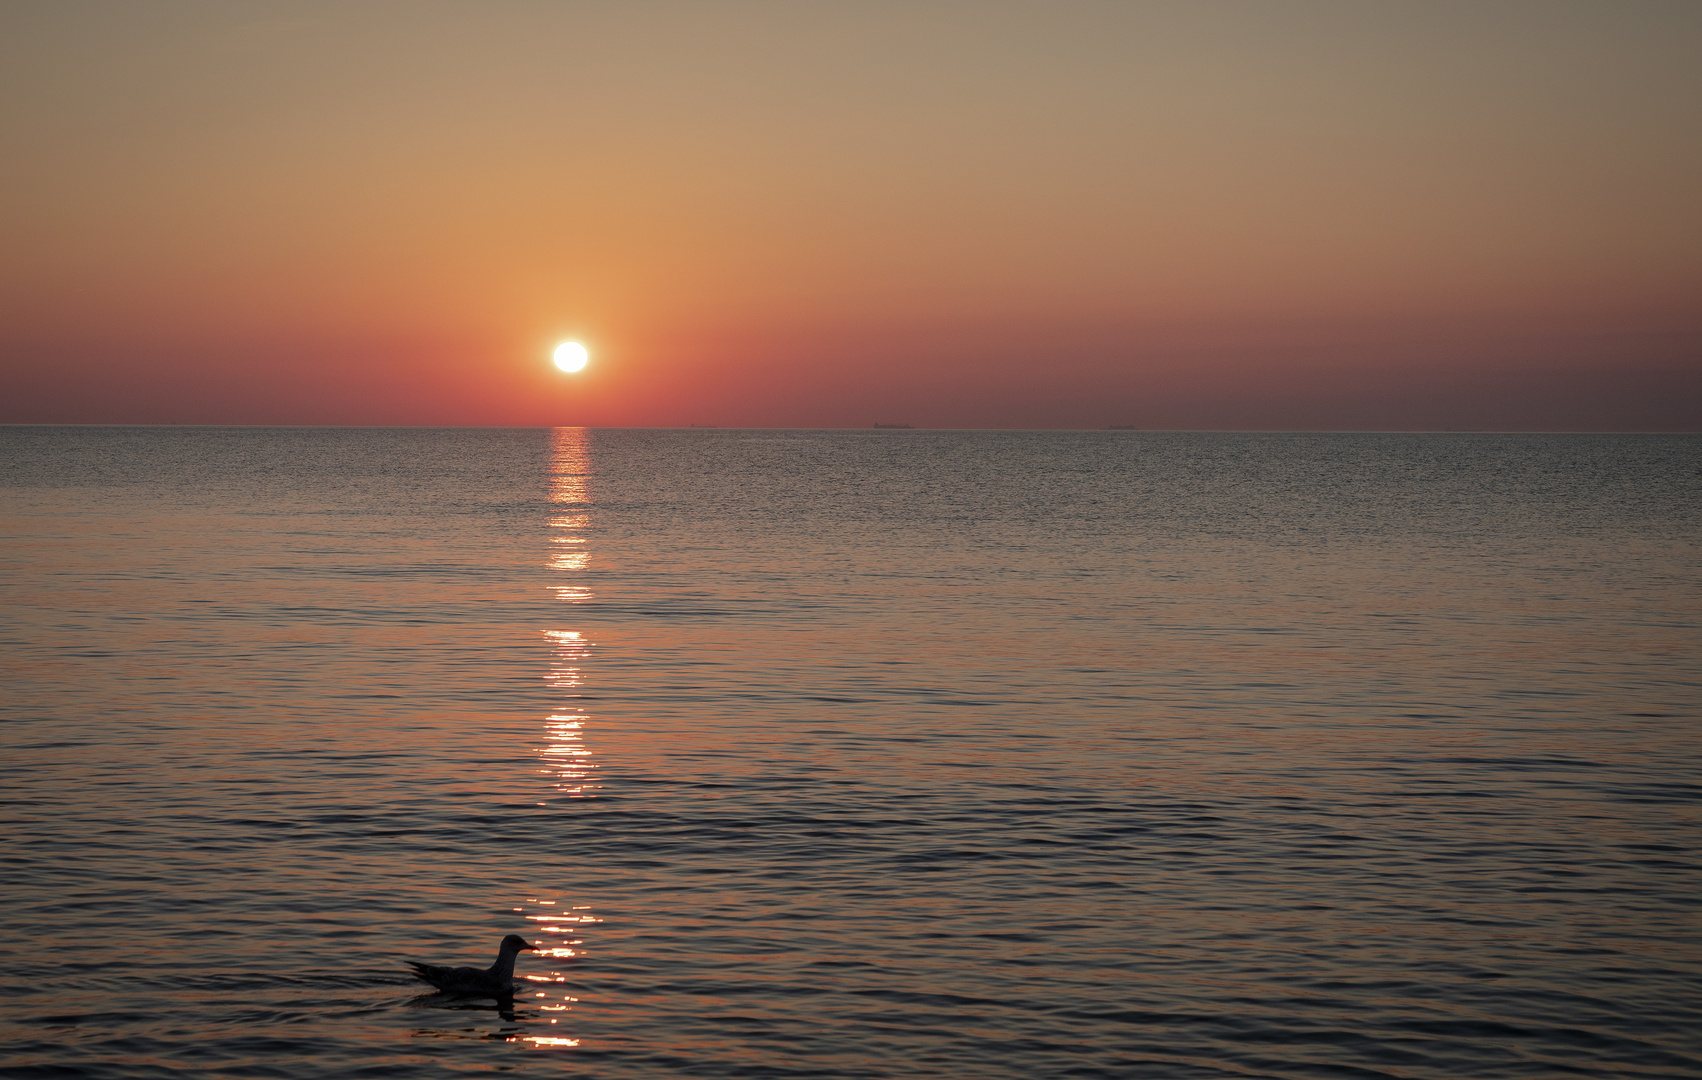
862,754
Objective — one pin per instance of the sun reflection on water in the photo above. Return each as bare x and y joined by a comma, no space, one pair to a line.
566,757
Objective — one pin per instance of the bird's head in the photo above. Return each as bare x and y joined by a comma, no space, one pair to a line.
515,943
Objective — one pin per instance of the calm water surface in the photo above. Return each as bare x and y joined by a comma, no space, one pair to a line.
851,754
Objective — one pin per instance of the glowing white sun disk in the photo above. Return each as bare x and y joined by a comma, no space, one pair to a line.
571,356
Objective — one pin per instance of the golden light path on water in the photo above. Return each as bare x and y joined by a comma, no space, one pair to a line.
566,758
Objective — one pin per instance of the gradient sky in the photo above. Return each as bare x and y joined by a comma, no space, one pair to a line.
1266,214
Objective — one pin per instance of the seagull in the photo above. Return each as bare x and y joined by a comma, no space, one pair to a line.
495,981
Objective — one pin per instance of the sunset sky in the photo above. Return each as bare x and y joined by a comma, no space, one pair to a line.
1266,214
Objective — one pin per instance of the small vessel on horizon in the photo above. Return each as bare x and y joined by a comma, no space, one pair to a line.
892,426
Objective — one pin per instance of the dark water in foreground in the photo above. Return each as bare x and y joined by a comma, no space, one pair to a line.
851,754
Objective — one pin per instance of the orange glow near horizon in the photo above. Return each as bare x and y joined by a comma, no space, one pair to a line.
1147,214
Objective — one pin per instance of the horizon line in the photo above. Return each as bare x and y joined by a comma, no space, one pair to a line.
888,428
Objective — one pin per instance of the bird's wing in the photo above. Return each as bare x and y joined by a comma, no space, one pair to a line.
431,973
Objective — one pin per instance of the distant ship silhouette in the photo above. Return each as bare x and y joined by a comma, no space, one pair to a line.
892,425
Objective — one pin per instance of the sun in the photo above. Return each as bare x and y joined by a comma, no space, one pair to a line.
571,356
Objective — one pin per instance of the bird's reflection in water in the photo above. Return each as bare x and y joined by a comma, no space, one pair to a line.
523,1007
501,1006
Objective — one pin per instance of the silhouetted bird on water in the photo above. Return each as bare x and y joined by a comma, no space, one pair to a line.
494,981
